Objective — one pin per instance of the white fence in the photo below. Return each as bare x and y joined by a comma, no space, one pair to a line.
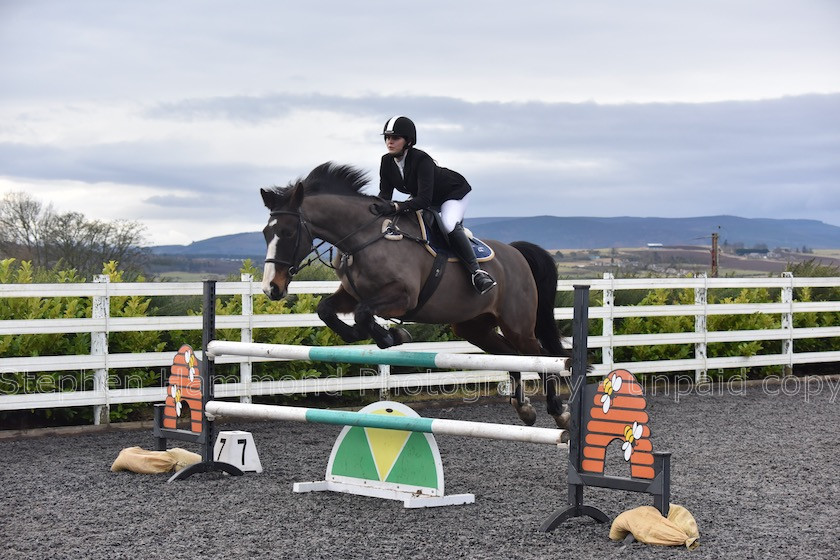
100,361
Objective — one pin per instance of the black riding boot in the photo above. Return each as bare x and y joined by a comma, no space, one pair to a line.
481,280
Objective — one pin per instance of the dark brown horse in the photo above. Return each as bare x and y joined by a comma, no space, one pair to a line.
383,277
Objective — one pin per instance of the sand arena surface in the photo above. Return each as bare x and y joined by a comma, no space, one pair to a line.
757,469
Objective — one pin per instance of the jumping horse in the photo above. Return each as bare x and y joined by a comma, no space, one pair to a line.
383,277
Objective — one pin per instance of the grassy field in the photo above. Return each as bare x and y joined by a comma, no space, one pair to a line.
664,261
827,253
180,276
679,261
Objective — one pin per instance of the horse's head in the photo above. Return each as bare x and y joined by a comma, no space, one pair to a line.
288,234
287,237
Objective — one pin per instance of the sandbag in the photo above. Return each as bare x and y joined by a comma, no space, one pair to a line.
141,461
648,526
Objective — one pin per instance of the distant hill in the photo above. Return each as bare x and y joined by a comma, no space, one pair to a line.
553,232
238,245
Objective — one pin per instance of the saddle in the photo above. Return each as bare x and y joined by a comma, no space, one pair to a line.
434,239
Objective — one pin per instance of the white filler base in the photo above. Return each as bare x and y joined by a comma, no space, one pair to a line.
387,463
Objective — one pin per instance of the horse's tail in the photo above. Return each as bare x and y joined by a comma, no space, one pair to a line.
545,275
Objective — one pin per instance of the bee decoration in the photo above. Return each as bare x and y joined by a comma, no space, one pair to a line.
191,363
631,435
611,386
176,396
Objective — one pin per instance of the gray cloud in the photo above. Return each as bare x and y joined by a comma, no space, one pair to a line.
132,163
650,49
546,107
674,159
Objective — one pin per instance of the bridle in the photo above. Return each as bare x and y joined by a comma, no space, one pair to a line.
302,225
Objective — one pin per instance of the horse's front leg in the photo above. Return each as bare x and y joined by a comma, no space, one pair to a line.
390,301
341,302
384,338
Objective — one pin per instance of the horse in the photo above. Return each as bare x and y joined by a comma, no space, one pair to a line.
383,274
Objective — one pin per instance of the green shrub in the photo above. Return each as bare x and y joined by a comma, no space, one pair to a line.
60,344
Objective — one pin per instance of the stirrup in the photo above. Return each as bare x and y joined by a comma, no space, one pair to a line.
482,281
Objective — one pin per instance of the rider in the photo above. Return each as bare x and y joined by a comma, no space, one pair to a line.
414,172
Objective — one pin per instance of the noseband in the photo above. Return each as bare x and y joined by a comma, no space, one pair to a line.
302,225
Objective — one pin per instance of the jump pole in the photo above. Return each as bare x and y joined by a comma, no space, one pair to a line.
352,355
437,426
387,450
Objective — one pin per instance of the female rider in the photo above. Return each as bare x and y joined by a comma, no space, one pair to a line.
414,172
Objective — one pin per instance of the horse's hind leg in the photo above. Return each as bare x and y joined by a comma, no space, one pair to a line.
482,332
556,408
520,402
529,345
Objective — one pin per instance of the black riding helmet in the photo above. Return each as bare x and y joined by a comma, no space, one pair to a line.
401,126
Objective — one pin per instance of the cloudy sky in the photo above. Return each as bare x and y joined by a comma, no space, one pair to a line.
174,113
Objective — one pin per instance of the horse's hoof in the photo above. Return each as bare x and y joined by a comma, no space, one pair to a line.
399,335
528,415
562,420
526,412
385,342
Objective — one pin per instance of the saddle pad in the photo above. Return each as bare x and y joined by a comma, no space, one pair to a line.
437,244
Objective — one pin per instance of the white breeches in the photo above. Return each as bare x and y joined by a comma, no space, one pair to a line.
452,212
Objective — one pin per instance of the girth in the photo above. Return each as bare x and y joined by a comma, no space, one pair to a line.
430,285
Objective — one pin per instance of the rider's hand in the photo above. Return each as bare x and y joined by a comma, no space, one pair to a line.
383,208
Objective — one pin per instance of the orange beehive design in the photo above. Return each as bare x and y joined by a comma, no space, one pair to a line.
618,413
184,387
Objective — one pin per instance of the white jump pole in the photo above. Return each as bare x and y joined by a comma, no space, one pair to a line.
355,355
436,426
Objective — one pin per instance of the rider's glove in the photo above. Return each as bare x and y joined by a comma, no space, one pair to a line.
383,208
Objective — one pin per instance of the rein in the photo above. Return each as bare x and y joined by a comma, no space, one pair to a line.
427,289
303,224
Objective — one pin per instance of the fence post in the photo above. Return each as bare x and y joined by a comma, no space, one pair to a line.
99,347
787,323
607,353
247,335
701,297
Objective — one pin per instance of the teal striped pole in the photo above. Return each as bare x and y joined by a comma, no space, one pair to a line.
437,426
356,355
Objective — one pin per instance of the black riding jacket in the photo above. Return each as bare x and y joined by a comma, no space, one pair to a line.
428,184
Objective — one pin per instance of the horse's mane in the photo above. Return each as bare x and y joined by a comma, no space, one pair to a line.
328,178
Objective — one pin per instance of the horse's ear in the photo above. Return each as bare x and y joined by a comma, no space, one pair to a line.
268,198
297,196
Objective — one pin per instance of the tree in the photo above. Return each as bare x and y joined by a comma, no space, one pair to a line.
32,232
21,227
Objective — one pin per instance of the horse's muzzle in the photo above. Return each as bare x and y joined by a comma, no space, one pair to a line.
274,292
275,282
